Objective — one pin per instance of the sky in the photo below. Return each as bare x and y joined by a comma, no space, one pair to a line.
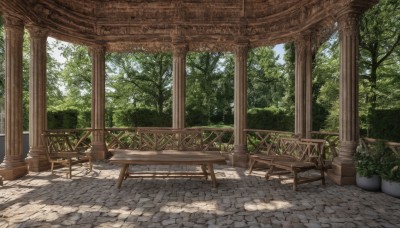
279,51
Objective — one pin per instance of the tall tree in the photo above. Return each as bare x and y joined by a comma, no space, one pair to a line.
379,41
207,86
267,82
143,79
76,77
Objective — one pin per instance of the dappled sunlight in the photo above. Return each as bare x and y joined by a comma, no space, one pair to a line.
210,206
256,205
93,199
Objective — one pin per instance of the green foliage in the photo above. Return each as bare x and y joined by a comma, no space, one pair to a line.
65,119
391,168
141,79
379,42
141,117
266,79
196,117
386,125
368,160
84,118
270,118
391,165
209,86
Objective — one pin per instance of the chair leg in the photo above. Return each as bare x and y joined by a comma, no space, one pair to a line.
70,170
90,165
52,167
204,169
295,181
252,163
269,172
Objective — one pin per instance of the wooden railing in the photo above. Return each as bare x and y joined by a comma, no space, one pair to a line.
217,139
122,138
332,140
371,144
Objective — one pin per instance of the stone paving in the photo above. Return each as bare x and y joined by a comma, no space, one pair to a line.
240,200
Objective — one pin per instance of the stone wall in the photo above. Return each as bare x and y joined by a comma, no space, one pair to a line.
25,146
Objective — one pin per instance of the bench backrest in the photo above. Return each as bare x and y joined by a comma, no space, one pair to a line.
307,150
57,143
170,139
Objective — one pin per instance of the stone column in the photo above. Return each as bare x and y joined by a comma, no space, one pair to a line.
240,156
179,86
343,169
14,165
303,86
99,149
37,158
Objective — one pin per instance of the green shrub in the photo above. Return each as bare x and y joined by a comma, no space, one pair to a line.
62,119
141,117
270,119
386,125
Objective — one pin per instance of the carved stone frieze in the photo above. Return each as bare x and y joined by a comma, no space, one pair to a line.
121,23
212,46
139,47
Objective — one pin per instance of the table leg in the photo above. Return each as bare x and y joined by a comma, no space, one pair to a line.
212,174
203,167
121,177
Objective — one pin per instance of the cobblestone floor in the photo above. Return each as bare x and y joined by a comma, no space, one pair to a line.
240,200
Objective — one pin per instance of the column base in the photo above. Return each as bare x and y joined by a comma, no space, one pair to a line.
36,164
14,172
239,157
100,152
342,172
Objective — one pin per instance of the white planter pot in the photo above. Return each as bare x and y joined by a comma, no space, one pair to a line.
369,183
391,188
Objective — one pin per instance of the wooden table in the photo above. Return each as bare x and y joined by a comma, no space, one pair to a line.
166,157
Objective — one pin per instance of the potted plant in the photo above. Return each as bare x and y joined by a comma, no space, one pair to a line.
368,164
390,170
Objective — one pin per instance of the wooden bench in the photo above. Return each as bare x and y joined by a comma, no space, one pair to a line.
60,150
293,156
167,147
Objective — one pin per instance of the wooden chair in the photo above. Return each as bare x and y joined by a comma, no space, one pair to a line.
60,151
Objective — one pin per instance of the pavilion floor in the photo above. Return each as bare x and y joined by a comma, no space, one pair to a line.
93,200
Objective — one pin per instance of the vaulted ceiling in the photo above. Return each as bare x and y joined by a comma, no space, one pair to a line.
155,25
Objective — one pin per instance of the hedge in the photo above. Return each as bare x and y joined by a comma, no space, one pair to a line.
65,119
386,125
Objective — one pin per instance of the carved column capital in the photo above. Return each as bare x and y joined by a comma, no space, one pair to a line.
180,49
303,37
97,49
348,22
241,48
13,24
37,31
